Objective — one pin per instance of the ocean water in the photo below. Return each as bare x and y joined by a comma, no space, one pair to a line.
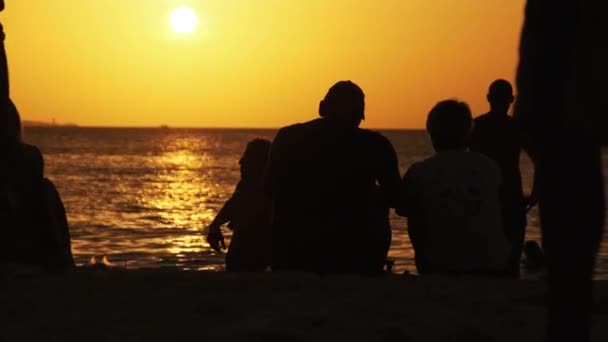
141,197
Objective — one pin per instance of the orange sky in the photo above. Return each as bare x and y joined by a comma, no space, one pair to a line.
253,63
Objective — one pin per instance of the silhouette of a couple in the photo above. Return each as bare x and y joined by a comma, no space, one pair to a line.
33,225
329,186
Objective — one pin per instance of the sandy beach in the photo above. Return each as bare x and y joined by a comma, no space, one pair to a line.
168,305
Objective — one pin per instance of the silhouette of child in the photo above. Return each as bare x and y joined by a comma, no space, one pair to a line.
452,201
248,214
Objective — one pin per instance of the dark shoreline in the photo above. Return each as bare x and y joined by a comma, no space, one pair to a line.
168,305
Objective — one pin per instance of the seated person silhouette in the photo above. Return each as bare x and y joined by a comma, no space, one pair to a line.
34,228
451,201
332,185
248,214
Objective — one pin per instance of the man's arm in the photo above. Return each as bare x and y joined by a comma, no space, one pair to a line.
275,164
409,205
388,177
4,86
406,200
532,199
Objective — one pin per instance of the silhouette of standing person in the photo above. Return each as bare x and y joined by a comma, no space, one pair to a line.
332,184
496,136
4,84
561,110
248,212
32,217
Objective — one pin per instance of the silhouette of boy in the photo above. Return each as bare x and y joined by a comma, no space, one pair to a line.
451,201
496,136
332,184
248,211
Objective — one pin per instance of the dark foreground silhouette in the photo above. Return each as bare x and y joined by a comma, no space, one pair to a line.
248,211
562,86
452,202
331,185
33,224
496,136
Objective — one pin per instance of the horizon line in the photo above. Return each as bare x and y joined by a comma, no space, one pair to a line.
45,125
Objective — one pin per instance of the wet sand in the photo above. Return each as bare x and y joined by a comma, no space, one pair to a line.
168,305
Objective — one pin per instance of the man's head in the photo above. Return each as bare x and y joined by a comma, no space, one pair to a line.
500,96
449,124
345,103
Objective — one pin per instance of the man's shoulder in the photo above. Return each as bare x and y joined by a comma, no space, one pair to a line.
496,119
483,164
461,158
420,167
376,138
297,129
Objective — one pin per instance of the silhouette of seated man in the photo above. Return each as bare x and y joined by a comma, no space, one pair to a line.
496,136
332,184
248,214
34,229
34,224
451,201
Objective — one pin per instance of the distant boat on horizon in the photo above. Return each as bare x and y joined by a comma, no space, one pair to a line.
164,127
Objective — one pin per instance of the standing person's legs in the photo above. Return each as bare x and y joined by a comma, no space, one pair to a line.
572,216
514,220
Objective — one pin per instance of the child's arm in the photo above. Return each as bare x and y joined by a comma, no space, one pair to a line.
215,238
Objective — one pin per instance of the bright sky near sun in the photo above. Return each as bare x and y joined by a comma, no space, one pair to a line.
252,63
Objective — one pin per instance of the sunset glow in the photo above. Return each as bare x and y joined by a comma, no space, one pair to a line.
263,63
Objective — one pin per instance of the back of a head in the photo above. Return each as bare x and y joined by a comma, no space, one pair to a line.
253,162
449,123
500,94
345,102
257,150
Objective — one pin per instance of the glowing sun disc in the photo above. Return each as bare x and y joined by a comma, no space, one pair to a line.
183,20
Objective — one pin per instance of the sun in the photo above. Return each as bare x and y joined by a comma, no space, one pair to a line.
183,20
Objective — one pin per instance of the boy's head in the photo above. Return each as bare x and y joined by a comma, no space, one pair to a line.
449,124
253,161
